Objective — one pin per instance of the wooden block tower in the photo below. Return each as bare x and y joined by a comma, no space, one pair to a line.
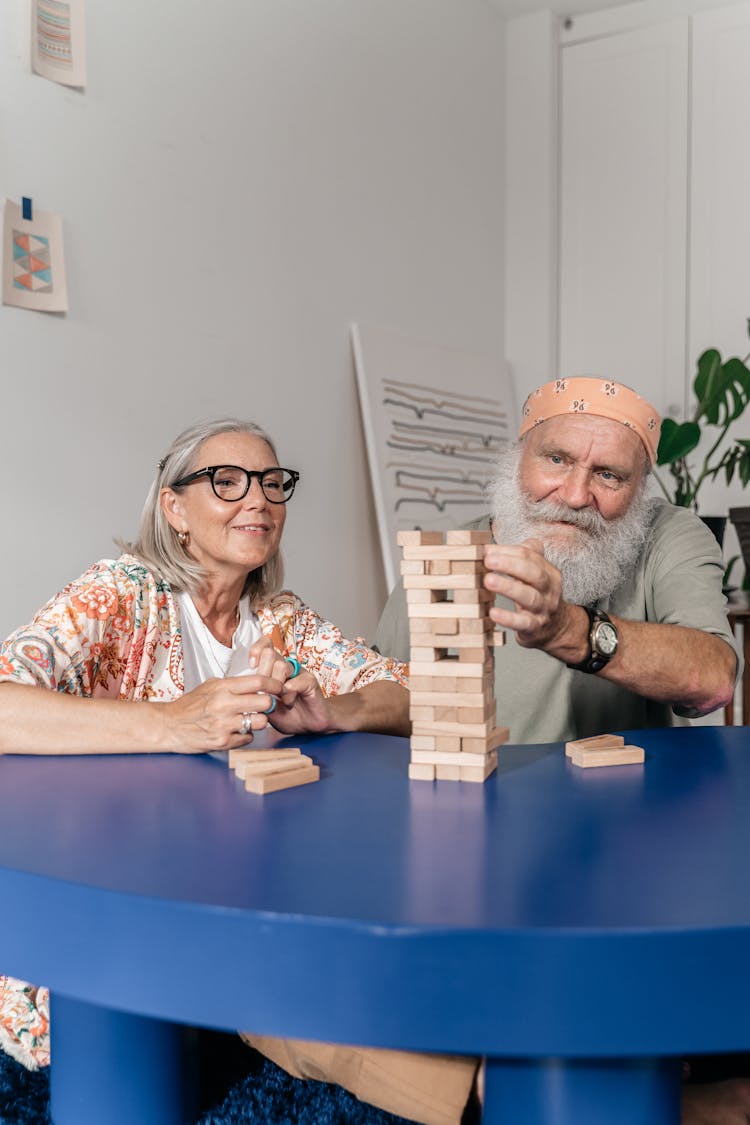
452,667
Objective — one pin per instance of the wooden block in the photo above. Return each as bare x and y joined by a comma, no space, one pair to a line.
475,625
421,772
472,655
476,595
421,714
609,756
438,566
474,714
483,745
281,765
448,666
418,538
422,742
445,609
449,698
462,566
440,582
237,756
595,742
451,758
425,655
413,566
419,596
463,730
446,627
447,744
497,638
443,715
282,780
478,773
454,553
452,641
447,773
460,535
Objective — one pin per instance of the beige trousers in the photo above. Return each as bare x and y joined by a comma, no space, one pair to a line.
431,1089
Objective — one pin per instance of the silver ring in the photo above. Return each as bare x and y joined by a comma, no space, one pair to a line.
246,726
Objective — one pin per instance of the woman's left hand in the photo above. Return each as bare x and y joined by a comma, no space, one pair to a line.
300,706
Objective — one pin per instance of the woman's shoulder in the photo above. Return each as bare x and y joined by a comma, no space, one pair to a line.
125,571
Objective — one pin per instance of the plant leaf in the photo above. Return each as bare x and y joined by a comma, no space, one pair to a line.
676,440
722,389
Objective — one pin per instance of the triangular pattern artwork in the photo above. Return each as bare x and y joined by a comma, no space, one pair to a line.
31,262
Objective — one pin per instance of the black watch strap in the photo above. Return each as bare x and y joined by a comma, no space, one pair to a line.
597,657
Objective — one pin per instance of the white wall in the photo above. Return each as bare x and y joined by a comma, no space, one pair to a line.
238,183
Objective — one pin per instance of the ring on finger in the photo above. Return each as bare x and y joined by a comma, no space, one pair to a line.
246,725
270,710
296,667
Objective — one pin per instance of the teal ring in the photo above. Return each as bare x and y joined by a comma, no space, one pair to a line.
270,710
296,667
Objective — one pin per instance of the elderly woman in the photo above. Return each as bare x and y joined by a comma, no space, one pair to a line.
192,617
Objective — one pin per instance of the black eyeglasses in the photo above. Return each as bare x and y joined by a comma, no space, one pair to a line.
230,482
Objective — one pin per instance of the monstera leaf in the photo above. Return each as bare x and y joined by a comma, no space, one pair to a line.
677,439
722,389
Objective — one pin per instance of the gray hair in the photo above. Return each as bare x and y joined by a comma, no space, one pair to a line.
158,546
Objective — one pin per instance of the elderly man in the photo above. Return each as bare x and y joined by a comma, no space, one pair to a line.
613,598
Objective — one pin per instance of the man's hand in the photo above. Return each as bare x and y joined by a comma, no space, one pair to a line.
542,618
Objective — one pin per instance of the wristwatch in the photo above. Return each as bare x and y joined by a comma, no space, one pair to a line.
603,642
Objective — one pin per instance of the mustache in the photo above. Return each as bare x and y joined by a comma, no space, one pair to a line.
587,519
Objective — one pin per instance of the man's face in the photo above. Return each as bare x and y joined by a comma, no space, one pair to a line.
576,483
582,462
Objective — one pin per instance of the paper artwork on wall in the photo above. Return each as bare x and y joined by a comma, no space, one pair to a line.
58,41
435,420
33,260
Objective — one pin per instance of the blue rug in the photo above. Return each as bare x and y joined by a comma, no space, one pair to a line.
239,1088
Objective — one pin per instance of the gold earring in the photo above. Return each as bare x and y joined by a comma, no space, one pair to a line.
183,537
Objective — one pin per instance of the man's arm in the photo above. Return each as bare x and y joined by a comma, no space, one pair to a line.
684,667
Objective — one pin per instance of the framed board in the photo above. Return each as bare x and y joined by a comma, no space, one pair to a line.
435,420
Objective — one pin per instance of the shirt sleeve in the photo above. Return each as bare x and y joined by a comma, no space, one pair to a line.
339,665
76,641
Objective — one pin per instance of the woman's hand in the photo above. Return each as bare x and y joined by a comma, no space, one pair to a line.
300,704
220,714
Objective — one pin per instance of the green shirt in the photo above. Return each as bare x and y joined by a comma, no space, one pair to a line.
677,581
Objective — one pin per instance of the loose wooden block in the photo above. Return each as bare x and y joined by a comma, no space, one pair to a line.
282,780
497,638
237,756
595,742
421,772
281,765
447,773
413,566
454,553
418,538
461,535
609,756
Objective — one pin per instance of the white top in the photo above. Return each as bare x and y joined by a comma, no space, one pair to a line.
205,658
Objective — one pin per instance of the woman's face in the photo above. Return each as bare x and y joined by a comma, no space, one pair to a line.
232,538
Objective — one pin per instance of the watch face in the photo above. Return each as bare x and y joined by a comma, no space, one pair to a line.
605,638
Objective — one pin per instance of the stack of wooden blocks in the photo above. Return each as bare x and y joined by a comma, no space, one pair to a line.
266,771
452,667
603,750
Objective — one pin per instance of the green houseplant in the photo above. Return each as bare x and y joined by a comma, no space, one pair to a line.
722,391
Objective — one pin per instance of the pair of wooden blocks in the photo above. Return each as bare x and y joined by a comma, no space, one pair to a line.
267,771
451,668
603,750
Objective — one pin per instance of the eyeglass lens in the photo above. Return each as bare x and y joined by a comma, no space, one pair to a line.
232,483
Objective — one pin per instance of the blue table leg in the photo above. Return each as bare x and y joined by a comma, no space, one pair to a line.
111,1068
573,1091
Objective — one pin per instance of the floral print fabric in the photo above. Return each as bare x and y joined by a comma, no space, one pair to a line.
115,633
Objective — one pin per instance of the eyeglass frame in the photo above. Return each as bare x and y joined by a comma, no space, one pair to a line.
211,470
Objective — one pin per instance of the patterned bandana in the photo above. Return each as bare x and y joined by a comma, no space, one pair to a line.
587,395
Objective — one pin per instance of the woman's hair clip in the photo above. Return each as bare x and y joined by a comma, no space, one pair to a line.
162,463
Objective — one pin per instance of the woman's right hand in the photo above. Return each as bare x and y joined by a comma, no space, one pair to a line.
210,717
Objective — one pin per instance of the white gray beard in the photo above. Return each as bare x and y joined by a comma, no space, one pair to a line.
593,563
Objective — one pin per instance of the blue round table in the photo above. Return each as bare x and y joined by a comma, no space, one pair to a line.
582,928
